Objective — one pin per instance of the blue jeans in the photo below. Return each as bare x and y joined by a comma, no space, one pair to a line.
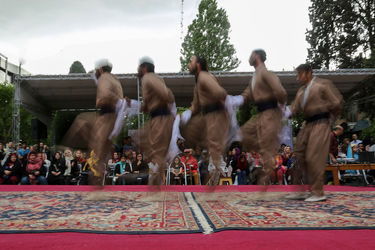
41,179
242,177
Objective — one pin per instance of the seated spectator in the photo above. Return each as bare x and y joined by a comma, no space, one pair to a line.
355,140
231,162
292,169
277,175
176,171
77,163
361,147
242,169
68,157
341,153
23,151
153,168
10,171
256,168
140,170
56,170
286,155
2,152
203,167
191,165
115,158
34,171
122,168
127,144
88,172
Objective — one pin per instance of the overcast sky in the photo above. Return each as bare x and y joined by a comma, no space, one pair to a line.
48,35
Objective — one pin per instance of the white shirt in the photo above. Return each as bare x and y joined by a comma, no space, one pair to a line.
355,142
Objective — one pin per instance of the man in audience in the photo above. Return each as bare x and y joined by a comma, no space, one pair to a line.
355,141
191,165
334,143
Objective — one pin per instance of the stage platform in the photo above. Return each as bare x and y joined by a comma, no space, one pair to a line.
240,217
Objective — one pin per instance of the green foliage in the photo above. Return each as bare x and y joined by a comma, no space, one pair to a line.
77,67
370,131
6,97
6,109
342,33
62,120
245,113
208,36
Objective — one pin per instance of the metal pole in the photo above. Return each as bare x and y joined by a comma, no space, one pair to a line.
6,69
16,111
139,99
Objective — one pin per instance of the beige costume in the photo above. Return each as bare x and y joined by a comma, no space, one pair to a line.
155,137
108,93
210,122
320,104
260,134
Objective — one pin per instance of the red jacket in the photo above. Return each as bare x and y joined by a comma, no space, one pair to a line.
190,163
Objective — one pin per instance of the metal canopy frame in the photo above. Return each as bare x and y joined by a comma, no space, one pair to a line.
42,95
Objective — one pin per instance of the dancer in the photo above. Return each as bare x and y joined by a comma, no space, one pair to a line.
261,133
109,92
320,102
154,138
209,121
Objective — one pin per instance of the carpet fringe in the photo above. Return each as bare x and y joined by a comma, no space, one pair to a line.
207,229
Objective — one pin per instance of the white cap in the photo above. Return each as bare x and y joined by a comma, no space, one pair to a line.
145,59
102,63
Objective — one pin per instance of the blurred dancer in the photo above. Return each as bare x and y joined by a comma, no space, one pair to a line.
109,92
154,138
261,133
209,121
320,102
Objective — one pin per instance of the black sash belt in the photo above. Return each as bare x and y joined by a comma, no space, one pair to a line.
159,112
106,110
263,106
211,108
317,117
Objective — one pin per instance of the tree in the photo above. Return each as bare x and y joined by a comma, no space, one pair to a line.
342,33
77,67
6,107
208,36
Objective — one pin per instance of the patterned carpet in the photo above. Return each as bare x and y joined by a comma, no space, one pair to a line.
180,212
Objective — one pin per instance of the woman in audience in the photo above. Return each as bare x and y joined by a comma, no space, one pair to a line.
68,158
203,167
10,171
115,158
122,169
242,169
77,163
277,175
140,170
176,171
56,170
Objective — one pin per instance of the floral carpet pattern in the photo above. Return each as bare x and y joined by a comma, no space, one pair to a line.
180,212
118,212
342,210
